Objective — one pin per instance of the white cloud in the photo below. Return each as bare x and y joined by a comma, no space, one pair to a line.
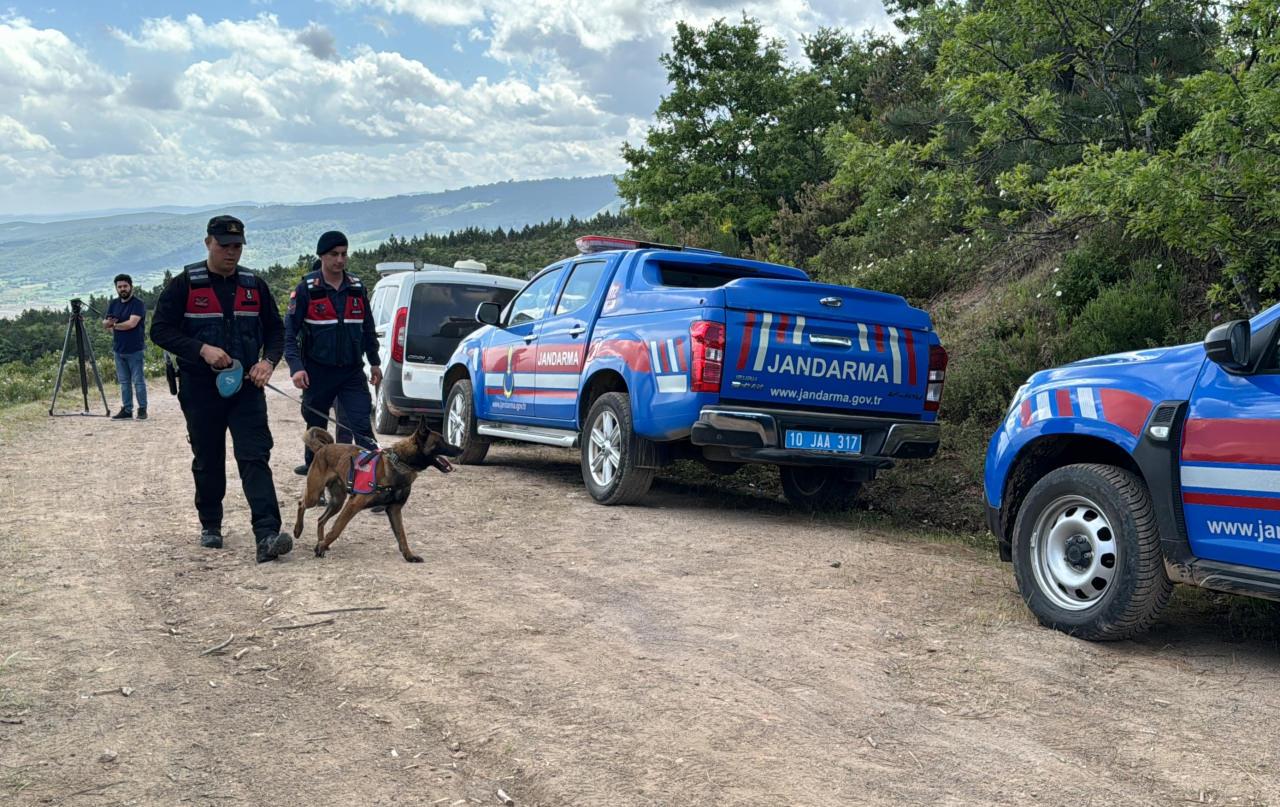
36,61
16,137
163,34
254,108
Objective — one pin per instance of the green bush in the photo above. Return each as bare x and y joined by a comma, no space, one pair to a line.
994,356
1140,312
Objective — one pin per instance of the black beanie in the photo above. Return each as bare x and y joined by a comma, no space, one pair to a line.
329,240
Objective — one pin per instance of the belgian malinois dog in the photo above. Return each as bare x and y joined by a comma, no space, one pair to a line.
398,467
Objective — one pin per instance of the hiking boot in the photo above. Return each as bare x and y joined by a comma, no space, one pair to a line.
123,414
274,546
210,538
301,470
142,413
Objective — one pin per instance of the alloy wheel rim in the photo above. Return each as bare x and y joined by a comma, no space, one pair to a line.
456,430
604,452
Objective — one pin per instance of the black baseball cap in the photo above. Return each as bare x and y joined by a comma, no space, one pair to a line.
227,229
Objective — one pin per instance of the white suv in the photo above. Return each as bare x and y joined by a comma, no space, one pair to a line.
421,312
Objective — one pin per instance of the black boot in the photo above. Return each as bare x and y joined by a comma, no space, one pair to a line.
273,546
123,414
142,413
211,538
301,470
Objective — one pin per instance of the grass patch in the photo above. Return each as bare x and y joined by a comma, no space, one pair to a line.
1235,618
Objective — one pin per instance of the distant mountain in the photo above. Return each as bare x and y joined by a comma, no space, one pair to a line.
45,262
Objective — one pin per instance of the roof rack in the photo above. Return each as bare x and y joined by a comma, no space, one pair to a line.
391,267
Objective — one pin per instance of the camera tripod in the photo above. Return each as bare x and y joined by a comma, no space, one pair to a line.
75,325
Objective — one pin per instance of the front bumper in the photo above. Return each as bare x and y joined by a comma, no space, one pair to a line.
757,435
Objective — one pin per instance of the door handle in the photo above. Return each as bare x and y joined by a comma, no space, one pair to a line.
529,338
577,330
830,341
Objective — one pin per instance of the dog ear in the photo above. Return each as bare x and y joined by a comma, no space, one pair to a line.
423,429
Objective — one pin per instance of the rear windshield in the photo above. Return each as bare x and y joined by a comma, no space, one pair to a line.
441,314
700,276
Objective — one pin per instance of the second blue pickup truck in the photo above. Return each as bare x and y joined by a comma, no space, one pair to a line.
642,354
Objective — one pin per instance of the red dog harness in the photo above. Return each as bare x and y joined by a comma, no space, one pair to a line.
363,477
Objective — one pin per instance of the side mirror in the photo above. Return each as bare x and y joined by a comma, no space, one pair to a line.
1228,345
488,312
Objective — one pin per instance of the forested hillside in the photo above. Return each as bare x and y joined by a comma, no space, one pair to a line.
1051,179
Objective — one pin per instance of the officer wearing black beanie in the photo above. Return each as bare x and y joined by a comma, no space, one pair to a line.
328,328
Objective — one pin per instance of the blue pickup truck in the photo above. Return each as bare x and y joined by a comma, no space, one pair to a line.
1113,478
642,354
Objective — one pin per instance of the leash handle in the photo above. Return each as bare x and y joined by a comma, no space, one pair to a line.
355,435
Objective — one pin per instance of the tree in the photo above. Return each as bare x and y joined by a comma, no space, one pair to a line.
1215,191
701,167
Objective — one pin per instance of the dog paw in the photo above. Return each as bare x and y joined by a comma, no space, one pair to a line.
413,558
319,551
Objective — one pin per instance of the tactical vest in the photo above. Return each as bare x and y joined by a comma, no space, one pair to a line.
239,334
330,336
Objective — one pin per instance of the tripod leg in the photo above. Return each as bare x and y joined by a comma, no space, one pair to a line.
62,363
81,339
98,378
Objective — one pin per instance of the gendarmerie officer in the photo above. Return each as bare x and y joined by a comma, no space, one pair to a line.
213,312
328,329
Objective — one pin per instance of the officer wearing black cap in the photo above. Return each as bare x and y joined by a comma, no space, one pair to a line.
328,328
215,312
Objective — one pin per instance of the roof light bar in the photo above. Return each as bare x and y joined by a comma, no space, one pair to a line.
588,244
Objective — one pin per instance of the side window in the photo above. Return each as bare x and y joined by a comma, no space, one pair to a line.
383,307
534,299
580,286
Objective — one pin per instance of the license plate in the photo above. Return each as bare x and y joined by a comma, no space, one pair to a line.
837,442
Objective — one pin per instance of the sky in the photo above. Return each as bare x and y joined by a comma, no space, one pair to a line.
113,104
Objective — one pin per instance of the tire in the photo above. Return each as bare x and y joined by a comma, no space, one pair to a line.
610,449
459,425
816,488
383,421
1087,555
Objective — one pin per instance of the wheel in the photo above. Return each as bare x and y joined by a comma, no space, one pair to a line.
383,421
460,425
817,488
1086,553
610,449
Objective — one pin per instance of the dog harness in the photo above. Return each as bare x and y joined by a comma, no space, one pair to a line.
363,477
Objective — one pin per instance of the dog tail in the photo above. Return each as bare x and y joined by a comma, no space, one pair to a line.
316,437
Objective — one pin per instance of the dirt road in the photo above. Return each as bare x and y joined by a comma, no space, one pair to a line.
707,648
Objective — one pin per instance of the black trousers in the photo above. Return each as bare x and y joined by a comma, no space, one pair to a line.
209,418
345,389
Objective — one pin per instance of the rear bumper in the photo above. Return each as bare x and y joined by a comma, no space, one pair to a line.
402,405
757,435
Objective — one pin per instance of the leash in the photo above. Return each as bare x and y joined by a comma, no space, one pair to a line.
355,435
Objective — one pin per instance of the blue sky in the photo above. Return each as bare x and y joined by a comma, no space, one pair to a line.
128,104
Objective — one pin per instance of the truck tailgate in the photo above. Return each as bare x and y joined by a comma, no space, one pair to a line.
819,346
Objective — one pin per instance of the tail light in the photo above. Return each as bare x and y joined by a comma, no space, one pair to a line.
397,334
708,355
937,377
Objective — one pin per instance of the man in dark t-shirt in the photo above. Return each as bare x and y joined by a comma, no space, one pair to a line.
126,319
